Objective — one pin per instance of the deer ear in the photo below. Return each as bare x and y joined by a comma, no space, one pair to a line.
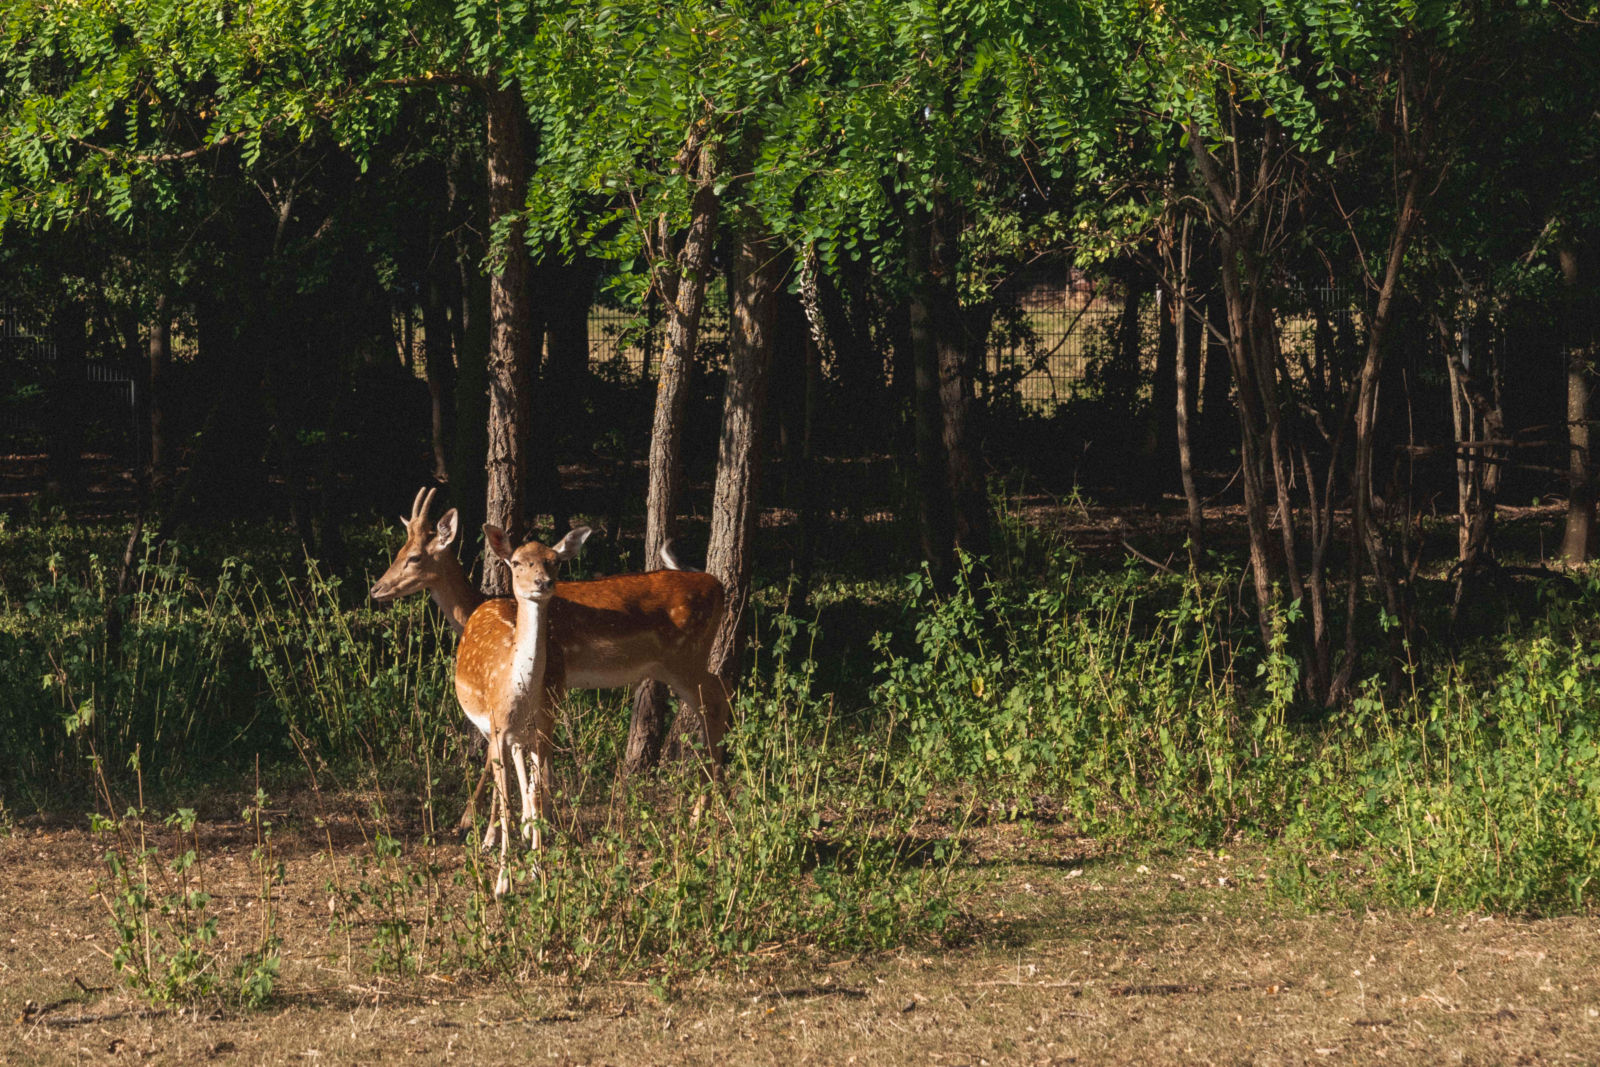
499,543
572,544
444,534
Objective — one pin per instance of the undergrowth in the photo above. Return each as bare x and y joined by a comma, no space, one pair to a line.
1142,708
167,943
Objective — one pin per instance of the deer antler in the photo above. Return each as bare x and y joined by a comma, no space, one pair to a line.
421,506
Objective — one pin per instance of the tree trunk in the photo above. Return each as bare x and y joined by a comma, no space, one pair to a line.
566,367
439,364
1185,362
69,331
1164,392
793,369
159,398
511,340
1254,432
935,506
563,385
1216,406
1366,528
843,311
470,333
1578,542
757,274
681,282
543,492
1123,374
1473,372
289,397
818,349
227,475
968,491
1265,434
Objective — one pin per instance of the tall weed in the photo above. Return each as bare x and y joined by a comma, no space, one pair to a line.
167,943
362,684
171,683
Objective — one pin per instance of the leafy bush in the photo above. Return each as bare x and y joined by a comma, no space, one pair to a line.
169,684
1128,716
351,683
1123,704
167,943
210,673
1480,791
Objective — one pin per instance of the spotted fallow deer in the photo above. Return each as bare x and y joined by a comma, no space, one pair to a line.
608,632
427,561
516,663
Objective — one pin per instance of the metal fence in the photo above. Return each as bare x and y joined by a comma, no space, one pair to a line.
24,362
622,343
1045,343
627,345
108,392
1042,344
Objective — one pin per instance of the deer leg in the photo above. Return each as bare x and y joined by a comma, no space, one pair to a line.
539,800
497,746
470,815
491,832
705,698
529,833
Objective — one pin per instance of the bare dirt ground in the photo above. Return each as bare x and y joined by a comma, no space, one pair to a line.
1077,958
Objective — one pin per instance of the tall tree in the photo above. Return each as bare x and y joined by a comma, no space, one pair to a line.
757,272
1581,340
683,267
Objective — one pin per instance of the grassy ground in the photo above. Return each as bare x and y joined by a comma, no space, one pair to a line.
1065,955
850,895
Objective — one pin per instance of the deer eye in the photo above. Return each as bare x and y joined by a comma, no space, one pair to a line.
417,558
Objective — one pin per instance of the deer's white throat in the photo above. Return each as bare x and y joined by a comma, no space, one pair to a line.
531,646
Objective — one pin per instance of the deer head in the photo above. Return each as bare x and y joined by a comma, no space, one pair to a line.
534,566
423,559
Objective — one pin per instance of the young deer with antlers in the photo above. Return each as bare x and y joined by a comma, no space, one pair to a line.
427,560
599,634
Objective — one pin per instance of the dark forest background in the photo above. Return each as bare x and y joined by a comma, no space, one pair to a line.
1267,316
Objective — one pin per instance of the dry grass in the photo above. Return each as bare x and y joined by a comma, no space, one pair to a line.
1076,957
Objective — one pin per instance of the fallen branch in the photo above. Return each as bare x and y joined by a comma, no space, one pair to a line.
1157,564
42,1018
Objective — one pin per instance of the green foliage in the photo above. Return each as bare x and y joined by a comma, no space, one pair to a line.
1125,713
167,936
1142,709
207,671
350,682
1122,701
1481,791
156,686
